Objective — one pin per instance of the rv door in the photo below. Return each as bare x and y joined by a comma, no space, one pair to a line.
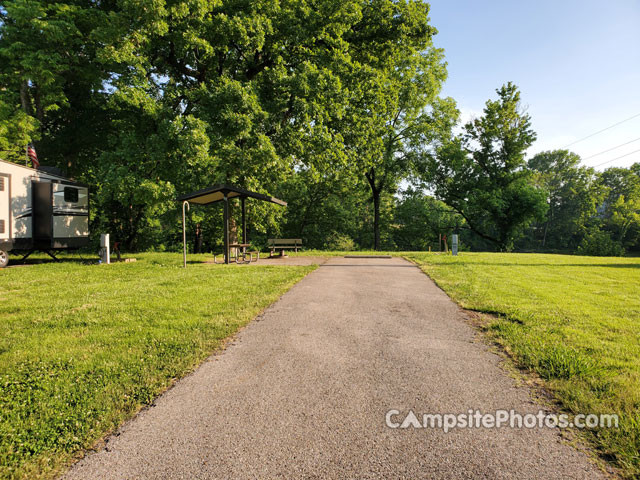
5,219
5,211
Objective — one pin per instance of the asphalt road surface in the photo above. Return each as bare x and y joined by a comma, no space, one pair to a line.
304,390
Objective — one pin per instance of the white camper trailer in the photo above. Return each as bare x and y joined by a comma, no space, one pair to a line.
40,211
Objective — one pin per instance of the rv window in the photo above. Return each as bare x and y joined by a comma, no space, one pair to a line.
70,194
1,226
1,184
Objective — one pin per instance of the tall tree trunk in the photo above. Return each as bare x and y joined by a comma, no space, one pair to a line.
376,190
197,243
376,219
132,231
546,227
233,225
25,100
233,229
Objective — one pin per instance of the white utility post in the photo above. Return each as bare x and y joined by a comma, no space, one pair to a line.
105,253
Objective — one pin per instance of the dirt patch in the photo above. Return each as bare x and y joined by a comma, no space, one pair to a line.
291,261
283,261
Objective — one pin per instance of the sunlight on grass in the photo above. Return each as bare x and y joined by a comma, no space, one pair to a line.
574,320
84,347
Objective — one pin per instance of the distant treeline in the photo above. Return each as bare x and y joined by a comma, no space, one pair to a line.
332,105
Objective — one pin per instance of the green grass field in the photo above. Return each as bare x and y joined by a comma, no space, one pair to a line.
83,347
573,320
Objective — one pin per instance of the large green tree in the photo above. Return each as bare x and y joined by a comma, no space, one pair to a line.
147,99
50,81
326,206
395,112
573,198
483,175
420,220
144,100
620,210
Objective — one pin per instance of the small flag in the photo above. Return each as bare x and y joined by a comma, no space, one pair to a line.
31,153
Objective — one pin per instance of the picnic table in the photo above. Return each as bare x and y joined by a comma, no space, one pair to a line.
240,251
237,246
242,247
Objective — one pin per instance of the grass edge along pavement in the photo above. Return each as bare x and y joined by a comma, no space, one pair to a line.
84,348
572,320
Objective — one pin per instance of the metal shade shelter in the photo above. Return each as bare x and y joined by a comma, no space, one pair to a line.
223,193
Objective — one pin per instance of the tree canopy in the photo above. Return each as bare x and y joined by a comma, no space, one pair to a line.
333,105
482,173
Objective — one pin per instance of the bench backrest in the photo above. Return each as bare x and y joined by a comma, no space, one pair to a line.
285,241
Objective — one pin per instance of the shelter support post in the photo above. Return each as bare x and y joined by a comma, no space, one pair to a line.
186,205
244,220
226,228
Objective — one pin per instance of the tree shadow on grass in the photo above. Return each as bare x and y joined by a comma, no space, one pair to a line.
580,265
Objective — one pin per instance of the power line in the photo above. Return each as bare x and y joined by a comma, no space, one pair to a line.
603,130
612,148
621,156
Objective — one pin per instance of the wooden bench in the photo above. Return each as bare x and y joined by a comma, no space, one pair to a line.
284,243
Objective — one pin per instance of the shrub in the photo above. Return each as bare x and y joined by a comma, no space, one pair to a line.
599,243
340,242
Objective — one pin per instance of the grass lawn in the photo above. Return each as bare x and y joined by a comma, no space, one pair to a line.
573,320
83,347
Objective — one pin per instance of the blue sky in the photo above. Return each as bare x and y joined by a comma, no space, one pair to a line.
577,64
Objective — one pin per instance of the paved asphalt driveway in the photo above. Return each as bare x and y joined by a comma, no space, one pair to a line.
303,393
